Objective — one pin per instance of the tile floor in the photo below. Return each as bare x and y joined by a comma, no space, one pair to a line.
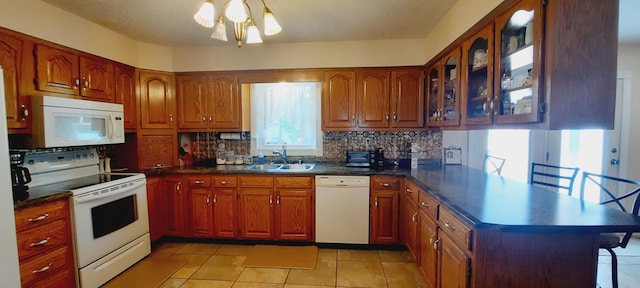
219,265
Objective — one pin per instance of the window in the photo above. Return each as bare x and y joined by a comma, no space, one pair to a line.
286,113
512,145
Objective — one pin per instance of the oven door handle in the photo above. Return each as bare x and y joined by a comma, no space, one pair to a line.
104,193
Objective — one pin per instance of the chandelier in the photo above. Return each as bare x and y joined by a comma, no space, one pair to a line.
239,13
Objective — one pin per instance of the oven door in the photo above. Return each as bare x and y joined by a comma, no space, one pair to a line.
109,218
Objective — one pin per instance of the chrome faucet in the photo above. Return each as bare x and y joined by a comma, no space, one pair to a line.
282,154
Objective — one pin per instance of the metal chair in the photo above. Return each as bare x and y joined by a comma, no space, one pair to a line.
492,164
608,241
553,176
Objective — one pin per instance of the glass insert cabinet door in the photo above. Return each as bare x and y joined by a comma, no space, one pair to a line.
477,53
433,97
518,63
450,110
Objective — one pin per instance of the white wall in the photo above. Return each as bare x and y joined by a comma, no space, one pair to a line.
629,62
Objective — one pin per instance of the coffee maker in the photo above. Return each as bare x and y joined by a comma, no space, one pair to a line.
20,176
376,159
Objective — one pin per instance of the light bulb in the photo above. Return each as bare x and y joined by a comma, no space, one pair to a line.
236,12
204,16
271,26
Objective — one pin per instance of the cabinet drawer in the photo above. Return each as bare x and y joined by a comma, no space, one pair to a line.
64,278
428,204
385,183
293,182
255,181
199,181
411,191
42,239
41,214
44,266
455,227
224,181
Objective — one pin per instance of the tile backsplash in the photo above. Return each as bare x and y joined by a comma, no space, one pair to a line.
203,145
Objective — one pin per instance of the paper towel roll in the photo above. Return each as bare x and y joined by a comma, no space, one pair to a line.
230,136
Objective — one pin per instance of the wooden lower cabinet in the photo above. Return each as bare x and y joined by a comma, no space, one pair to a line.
45,245
293,214
412,222
384,217
428,262
225,213
157,205
200,212
173,190
256,213
454,265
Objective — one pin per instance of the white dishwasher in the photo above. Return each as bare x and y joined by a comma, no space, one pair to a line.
342,209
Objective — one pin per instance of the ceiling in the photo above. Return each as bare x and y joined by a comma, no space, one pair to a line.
170,22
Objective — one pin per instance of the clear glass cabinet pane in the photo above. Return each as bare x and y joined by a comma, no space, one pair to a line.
450,89
432,96
478,97
516,64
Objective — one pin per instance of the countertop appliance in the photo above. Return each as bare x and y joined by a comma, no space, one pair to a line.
358,159
66,122
20,175
108,211
10,272
342,209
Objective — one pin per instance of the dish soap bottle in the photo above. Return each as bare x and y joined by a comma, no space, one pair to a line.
260,158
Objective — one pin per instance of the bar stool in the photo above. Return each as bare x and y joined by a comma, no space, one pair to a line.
493,164
553,176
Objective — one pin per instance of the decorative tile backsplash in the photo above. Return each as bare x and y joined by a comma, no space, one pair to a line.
202,146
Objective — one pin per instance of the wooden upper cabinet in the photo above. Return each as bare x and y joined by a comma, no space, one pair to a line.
339,100
157,102
373,98
125,91
518,63
10,60
193,98
477,87
209,101
449,97
57,70
407,98
225,110
64,71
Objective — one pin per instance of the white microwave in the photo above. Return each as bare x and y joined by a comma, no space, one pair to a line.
64,122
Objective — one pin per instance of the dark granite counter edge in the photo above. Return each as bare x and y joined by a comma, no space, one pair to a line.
40,198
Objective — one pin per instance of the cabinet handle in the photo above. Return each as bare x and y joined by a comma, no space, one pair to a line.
376,202
425,204
75,81
409,190
451,227
204,119
386,184
43,269
270,200
224,182
85,84
25,112
395,117
42,242
198,182
178,187
386,117
210,119
413,218
208,200
215,199
431,238
278,200
170,117
39,218
353,117
435,244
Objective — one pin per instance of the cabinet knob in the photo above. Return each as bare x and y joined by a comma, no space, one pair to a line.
210,119
353,117
25,112
270,200
278,200
451,227
170,117
386,117
75,82
204,119
386,184
224,182
409,190
376,202
215,199
395,117
425,204
208,200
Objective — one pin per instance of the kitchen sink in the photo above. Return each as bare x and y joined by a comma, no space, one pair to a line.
281,167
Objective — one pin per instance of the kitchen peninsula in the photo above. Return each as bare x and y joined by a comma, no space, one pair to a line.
514,234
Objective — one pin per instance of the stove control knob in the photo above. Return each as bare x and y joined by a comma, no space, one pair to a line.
84,156
78,156
91,155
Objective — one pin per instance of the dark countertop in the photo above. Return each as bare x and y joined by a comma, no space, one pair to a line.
41,195
486,201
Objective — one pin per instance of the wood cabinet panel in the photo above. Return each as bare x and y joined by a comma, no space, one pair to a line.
193,99
293,214
175,212
412,220
255,181
226,103
382,182
456,228
125,91
157,207
35,216
339,99
157,150
454,269
384,217
224,181
256,213
373,98
11,57
97,78
428,262
201,212
57,70
225,213
293,182
157,101
36,241
46,265
407,98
